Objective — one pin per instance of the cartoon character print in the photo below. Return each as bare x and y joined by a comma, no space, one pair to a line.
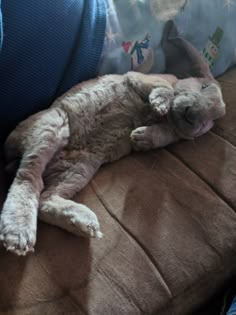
142,55
211,51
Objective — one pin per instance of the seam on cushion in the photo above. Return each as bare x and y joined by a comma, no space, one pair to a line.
76,303
223,80
201,280
187,166
222,138
230,267
187,290
133,239
226,84
39,301
121,290
44,269
66,292
197,284
215,191
189,169
202,235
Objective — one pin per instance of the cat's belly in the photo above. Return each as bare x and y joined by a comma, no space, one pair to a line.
110,144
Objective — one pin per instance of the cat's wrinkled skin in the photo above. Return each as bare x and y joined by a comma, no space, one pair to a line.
96,122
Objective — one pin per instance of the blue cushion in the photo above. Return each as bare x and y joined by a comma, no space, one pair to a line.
1,33
232,309
48,47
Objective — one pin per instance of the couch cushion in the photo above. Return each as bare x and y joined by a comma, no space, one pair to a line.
169,243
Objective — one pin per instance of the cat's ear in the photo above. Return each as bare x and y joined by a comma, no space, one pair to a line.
181,58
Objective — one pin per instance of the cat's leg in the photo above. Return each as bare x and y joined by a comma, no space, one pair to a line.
18,221
152,137
63,179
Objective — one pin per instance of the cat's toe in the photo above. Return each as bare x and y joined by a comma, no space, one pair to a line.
94,230
161,105
85,222
17,240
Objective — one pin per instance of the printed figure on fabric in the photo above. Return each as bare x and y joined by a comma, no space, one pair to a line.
140,52
211,50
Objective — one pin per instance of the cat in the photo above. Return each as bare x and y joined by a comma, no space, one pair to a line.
96,122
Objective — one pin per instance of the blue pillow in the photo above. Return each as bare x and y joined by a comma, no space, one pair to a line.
48,47
1,33
232,309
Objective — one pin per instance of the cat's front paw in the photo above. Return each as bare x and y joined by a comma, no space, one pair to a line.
161,105
141,139
84,222
18,234
18,220
160,100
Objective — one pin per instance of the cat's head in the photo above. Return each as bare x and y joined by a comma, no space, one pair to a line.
198,99
195,107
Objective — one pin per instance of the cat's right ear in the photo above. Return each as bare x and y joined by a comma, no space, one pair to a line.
182,59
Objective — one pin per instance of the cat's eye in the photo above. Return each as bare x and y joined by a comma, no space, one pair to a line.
204,86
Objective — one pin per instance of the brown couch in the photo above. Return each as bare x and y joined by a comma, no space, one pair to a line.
169,243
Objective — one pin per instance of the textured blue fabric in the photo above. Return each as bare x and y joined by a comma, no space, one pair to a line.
88,47
232,309
48,47
1,32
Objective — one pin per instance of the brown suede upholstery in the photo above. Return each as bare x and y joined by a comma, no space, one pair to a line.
169,245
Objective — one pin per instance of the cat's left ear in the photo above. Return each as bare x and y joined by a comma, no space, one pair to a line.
182,59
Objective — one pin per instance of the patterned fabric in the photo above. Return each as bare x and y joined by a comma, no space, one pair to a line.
232,309
1,32
134,31
48,47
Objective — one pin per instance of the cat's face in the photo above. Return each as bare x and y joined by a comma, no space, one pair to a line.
197,104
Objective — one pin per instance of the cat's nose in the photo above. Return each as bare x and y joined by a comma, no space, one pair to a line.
190,115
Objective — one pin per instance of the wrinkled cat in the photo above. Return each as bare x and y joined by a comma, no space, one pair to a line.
96,122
